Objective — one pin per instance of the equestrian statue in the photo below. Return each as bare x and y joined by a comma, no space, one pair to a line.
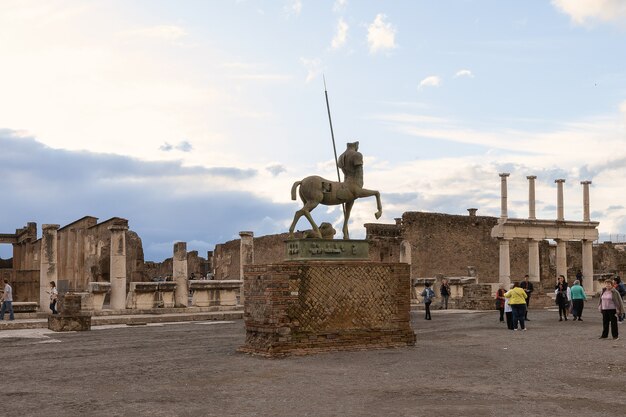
315,190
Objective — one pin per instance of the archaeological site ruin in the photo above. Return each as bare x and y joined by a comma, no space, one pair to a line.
103,262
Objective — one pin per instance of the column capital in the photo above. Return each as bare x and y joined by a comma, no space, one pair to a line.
246,233
531,177
50,227
504,174
559,181
585,182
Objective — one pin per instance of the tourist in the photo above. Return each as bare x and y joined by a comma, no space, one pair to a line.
527,286
611,306
53,297
427,296
517,301
562,297
579,277
578,300
621,289
7,301
500,300
445,294
508,312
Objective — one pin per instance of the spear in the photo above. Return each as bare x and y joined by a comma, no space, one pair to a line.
332,134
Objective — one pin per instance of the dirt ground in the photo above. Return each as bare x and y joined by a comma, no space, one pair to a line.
464,364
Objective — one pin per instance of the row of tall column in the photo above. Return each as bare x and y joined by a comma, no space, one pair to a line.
533,244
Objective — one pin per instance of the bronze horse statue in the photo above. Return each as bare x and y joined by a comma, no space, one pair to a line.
315,190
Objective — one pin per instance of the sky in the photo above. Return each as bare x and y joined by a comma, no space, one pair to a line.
193,119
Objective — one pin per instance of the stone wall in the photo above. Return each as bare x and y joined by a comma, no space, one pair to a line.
309,307
83,255
267,250
197,267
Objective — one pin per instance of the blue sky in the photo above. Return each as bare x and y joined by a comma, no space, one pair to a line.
192,119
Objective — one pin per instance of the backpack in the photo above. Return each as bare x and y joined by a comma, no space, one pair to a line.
430,294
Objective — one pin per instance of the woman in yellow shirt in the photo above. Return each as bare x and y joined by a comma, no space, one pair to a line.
517,300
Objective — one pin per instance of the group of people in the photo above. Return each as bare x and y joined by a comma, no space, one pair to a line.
428,295
513,304
7,299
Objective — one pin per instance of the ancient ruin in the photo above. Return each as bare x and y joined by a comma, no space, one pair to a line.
533,231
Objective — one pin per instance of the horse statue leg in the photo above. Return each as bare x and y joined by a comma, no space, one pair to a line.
306,212
348,208
368,193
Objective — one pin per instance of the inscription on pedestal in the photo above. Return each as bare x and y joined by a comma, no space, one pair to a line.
324,249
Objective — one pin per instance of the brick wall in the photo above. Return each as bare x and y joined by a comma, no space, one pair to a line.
309,307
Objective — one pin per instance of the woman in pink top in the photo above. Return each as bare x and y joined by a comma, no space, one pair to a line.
610,306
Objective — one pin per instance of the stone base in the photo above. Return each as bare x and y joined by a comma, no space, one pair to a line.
309,307
326,249
78,323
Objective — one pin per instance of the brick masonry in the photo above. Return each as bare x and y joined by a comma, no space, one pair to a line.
310,307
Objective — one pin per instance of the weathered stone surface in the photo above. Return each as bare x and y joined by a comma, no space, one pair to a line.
309,307
75,323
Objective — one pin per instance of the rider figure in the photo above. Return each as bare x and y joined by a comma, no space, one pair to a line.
351,163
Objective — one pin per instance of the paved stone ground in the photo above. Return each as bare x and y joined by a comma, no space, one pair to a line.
464,364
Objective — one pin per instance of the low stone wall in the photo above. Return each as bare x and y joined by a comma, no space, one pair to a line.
308,307
207,293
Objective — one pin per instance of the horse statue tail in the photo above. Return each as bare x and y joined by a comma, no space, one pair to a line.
293,189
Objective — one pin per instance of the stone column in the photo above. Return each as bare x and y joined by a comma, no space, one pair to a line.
179,274
503,196
586,217
588,266
405,252
47,264
505,263
531,197
118,266
533,260
246,257
561,258
559,199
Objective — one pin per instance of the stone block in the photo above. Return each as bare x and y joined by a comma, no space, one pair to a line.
74,323
98,290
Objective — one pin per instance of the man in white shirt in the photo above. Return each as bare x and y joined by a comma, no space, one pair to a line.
7,301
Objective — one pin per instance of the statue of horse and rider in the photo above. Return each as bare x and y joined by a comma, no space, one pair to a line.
315,190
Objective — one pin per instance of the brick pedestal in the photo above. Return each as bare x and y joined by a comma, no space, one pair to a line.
309,307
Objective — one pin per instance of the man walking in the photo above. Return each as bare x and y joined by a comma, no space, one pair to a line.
527,286
7,301
445,294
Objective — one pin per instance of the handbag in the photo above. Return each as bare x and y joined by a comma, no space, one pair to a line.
498,304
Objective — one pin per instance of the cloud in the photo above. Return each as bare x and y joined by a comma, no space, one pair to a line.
341,35
583,11
464,73
340,5
430,81
163,201
293,7
276,169
168,33
183,146
313,67
381,35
